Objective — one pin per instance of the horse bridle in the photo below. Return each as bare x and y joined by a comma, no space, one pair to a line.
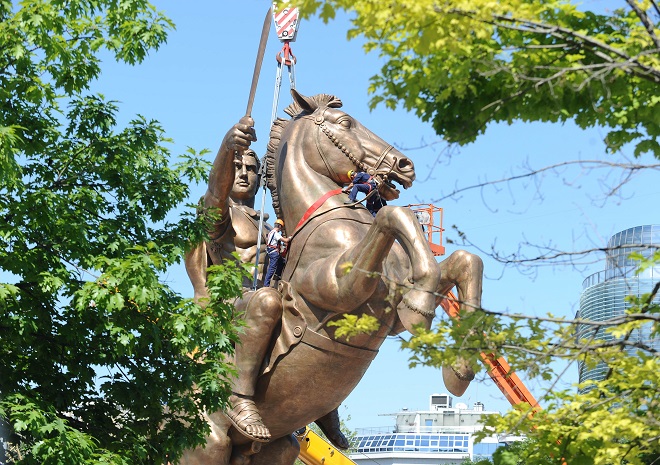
319,120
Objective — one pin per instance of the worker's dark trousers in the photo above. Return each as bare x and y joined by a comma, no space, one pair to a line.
366,188
275,266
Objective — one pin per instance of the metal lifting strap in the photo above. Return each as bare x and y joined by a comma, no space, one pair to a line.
286,23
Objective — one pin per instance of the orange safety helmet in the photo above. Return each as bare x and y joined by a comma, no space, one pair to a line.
350,173
280,222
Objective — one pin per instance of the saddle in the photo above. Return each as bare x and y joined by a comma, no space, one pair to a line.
295,330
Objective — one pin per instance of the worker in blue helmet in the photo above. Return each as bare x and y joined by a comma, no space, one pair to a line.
364,182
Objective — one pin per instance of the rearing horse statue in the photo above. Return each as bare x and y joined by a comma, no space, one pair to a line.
341,261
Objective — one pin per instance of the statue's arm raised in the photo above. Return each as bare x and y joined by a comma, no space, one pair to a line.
221,178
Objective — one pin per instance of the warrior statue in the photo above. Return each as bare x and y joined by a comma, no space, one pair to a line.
232,186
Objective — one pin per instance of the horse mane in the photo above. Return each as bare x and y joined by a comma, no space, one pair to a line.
271,159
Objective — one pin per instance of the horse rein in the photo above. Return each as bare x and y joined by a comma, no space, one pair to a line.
315,206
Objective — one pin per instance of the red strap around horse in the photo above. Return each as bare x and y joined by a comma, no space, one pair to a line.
315,206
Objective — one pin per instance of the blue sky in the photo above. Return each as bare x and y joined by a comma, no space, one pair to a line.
197,86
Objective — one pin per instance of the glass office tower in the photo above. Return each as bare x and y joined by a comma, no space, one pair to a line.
603,293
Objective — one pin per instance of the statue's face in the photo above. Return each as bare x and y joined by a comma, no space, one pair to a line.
245,178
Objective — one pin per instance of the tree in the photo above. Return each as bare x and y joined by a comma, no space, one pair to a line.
464,64
101,361
514,453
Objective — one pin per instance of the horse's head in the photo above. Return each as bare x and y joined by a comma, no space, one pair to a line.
344,144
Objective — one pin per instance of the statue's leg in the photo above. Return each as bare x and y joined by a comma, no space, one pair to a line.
218,447
329,284
263,312
465,271
331,427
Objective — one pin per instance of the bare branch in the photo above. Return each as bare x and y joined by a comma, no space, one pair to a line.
630,167
546,255
579,347
537,47
618,320
614,321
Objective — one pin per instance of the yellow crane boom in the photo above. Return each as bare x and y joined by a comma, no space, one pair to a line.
314,450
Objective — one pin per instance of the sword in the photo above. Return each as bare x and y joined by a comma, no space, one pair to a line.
265,30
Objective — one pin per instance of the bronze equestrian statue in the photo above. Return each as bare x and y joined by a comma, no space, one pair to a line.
341,261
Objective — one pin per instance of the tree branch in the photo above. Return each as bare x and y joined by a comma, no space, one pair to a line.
645,21
560,32
563,33
583,163
655,7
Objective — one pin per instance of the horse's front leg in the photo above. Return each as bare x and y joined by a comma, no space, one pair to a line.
465,271
341,289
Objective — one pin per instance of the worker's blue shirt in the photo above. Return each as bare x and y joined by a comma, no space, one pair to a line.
361,178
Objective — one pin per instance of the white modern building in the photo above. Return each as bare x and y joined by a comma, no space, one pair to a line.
443,434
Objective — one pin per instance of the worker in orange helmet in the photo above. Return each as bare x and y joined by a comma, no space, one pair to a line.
276,261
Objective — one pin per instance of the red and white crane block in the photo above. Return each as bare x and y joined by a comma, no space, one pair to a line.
286,23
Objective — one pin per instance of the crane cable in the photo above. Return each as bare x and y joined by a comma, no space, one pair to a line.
286,23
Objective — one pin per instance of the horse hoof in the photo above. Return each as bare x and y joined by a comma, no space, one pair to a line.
457,379
331,427
421,302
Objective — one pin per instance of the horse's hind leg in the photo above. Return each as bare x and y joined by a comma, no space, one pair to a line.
282,451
